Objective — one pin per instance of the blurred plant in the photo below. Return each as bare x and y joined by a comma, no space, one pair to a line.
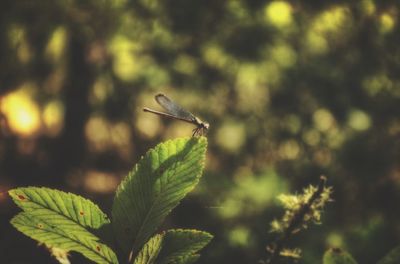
301,210
337,256
392,257
340,256
67,222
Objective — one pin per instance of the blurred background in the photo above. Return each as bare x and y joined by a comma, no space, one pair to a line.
291,89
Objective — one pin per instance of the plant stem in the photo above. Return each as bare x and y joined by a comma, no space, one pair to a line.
295,222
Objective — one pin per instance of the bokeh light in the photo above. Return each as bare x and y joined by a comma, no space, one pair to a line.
100,182
279,13
251,194
334,24
126,62
53,117
185,64
359,120
290,89
368,6
56,45
231,136
323,120
21,111
105,136
335,240
18,40
386,23
240,237
289,149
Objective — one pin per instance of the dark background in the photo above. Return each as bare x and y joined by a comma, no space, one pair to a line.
292,90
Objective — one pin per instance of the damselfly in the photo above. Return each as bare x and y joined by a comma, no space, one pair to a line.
176,112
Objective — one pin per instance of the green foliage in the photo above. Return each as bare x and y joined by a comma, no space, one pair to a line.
300,210
338,256
59,207
294,203
173,247
298,87
154,187
181,246
150,250
393,257
68,239
60,219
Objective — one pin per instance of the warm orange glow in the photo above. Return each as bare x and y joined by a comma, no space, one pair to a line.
103,135
100,182
97,133
3,196
22,113
53,117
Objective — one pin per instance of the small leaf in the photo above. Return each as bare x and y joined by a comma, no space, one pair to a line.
338,256
181,245
55,237
393,257
64,208
176,246
150,250
154,187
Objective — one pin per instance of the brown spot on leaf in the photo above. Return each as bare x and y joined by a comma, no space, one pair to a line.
81,213
21,197
98,248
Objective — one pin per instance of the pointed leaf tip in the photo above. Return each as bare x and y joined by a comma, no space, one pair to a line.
155,186
61,220
150,250
182,245
178,246
52,204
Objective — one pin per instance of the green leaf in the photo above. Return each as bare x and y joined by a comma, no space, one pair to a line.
54,236
68,215
154,187
176,246
393,257
181,245
150,250
338,256
59,207
186,259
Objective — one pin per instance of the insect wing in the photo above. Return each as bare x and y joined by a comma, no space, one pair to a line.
173,108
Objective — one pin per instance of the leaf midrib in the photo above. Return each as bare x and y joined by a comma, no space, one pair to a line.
153,204
46,206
